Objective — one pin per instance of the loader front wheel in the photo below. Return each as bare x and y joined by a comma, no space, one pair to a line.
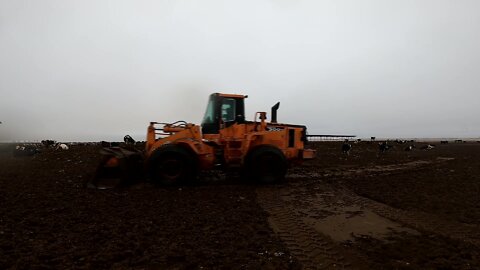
171,165
266,165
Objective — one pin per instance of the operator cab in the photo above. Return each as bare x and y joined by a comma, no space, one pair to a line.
223,109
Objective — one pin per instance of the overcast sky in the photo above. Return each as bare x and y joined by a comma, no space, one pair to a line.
97,70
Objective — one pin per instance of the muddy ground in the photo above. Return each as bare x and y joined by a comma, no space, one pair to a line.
396,210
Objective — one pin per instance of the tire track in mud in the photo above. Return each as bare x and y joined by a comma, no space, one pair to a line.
293,206
312,249
367,170
421,221
414,219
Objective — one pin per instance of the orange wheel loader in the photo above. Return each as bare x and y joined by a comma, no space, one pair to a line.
175,153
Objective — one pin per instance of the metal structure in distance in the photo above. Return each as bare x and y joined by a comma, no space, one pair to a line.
318,138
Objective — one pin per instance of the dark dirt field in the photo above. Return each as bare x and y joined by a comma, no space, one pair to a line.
396,210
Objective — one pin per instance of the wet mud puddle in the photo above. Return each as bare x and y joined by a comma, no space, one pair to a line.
353,221
316,217
314,223
337,216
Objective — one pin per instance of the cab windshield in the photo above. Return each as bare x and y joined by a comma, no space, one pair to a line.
209,117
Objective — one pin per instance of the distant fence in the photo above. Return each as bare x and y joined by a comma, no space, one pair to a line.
319,138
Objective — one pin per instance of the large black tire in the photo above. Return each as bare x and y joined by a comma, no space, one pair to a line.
266,165
127,170
171,165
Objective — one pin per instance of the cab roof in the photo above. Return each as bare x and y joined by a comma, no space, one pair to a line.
231,95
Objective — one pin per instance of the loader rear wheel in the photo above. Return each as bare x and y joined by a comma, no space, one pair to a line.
171,165
266,165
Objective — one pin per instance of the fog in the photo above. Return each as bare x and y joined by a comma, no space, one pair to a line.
97,70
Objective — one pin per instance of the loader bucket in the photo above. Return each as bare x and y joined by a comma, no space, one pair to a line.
118,167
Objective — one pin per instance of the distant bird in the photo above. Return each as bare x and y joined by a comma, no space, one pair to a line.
61,146
428,147
25,150
409,148
346,147
383,147
48,143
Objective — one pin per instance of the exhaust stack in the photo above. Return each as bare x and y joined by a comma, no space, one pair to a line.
274,112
